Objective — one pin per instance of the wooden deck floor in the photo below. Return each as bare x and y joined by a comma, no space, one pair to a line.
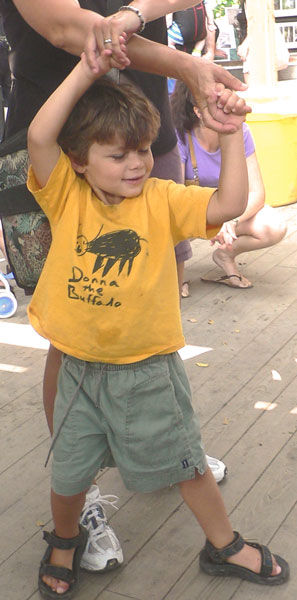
248,405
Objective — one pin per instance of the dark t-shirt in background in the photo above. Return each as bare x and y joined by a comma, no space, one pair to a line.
38,68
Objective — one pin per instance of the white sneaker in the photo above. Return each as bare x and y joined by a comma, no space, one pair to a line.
103,550
218,468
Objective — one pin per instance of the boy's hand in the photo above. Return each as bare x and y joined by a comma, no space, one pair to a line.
229,109
102,65
95,48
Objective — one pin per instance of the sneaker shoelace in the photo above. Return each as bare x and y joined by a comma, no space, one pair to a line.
94,518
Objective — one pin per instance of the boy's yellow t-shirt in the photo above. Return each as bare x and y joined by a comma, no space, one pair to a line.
108,291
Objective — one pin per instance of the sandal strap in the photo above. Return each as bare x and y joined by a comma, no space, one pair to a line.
224,277
267,564
64,543
56,572
219,555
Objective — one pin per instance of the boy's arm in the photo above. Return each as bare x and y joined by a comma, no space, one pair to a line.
230,199
256,198
45,128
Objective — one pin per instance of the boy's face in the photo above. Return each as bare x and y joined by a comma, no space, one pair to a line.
117,172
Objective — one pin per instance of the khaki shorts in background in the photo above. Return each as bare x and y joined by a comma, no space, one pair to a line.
137,417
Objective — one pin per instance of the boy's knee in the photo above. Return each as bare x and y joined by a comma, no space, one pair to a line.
68,500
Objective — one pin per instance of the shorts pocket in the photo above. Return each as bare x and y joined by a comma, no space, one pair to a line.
155,435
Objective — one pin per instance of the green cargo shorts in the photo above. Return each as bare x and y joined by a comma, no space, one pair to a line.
137,417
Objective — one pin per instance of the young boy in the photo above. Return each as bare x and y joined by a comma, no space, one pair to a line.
123,395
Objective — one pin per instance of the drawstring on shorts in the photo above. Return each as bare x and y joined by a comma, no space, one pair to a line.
74,395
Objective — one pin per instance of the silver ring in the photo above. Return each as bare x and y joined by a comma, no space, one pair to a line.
107,41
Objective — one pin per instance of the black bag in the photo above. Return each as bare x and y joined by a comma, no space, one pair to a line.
192,23
26,229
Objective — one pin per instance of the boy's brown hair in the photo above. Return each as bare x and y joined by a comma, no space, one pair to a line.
105,111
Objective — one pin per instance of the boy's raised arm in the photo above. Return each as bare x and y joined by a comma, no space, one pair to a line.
230,199
43,147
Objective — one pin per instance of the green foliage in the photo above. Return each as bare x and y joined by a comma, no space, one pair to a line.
219,11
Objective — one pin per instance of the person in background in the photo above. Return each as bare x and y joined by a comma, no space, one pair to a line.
259,226
46,39
210,50
186,29
194,31
282,52
5,77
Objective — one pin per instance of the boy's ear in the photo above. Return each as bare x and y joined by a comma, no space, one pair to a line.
77,167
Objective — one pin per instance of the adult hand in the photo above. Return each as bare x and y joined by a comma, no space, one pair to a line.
202,77
243,49
226,235
112,28
94,49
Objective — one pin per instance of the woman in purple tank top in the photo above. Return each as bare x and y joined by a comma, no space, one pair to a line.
259,226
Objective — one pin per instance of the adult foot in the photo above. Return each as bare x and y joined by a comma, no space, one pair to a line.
227,263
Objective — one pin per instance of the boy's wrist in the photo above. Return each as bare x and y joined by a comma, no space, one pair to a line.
237,133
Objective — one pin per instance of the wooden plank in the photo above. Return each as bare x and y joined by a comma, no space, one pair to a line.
262,516
225,378
14,385
30,434
16,412
243,409
260,489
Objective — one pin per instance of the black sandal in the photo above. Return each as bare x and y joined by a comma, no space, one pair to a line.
213,562
71,576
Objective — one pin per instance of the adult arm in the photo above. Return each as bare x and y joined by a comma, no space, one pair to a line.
64,24
200,76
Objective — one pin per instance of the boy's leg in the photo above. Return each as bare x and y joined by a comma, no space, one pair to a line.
103,549
66,511
204,499
51,372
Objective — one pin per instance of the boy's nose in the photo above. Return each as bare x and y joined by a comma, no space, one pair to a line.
134,160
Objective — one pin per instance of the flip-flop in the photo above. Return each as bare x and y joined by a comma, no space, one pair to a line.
225,280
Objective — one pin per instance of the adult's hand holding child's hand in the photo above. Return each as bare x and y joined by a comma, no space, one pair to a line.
228,109
206,80
94,48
